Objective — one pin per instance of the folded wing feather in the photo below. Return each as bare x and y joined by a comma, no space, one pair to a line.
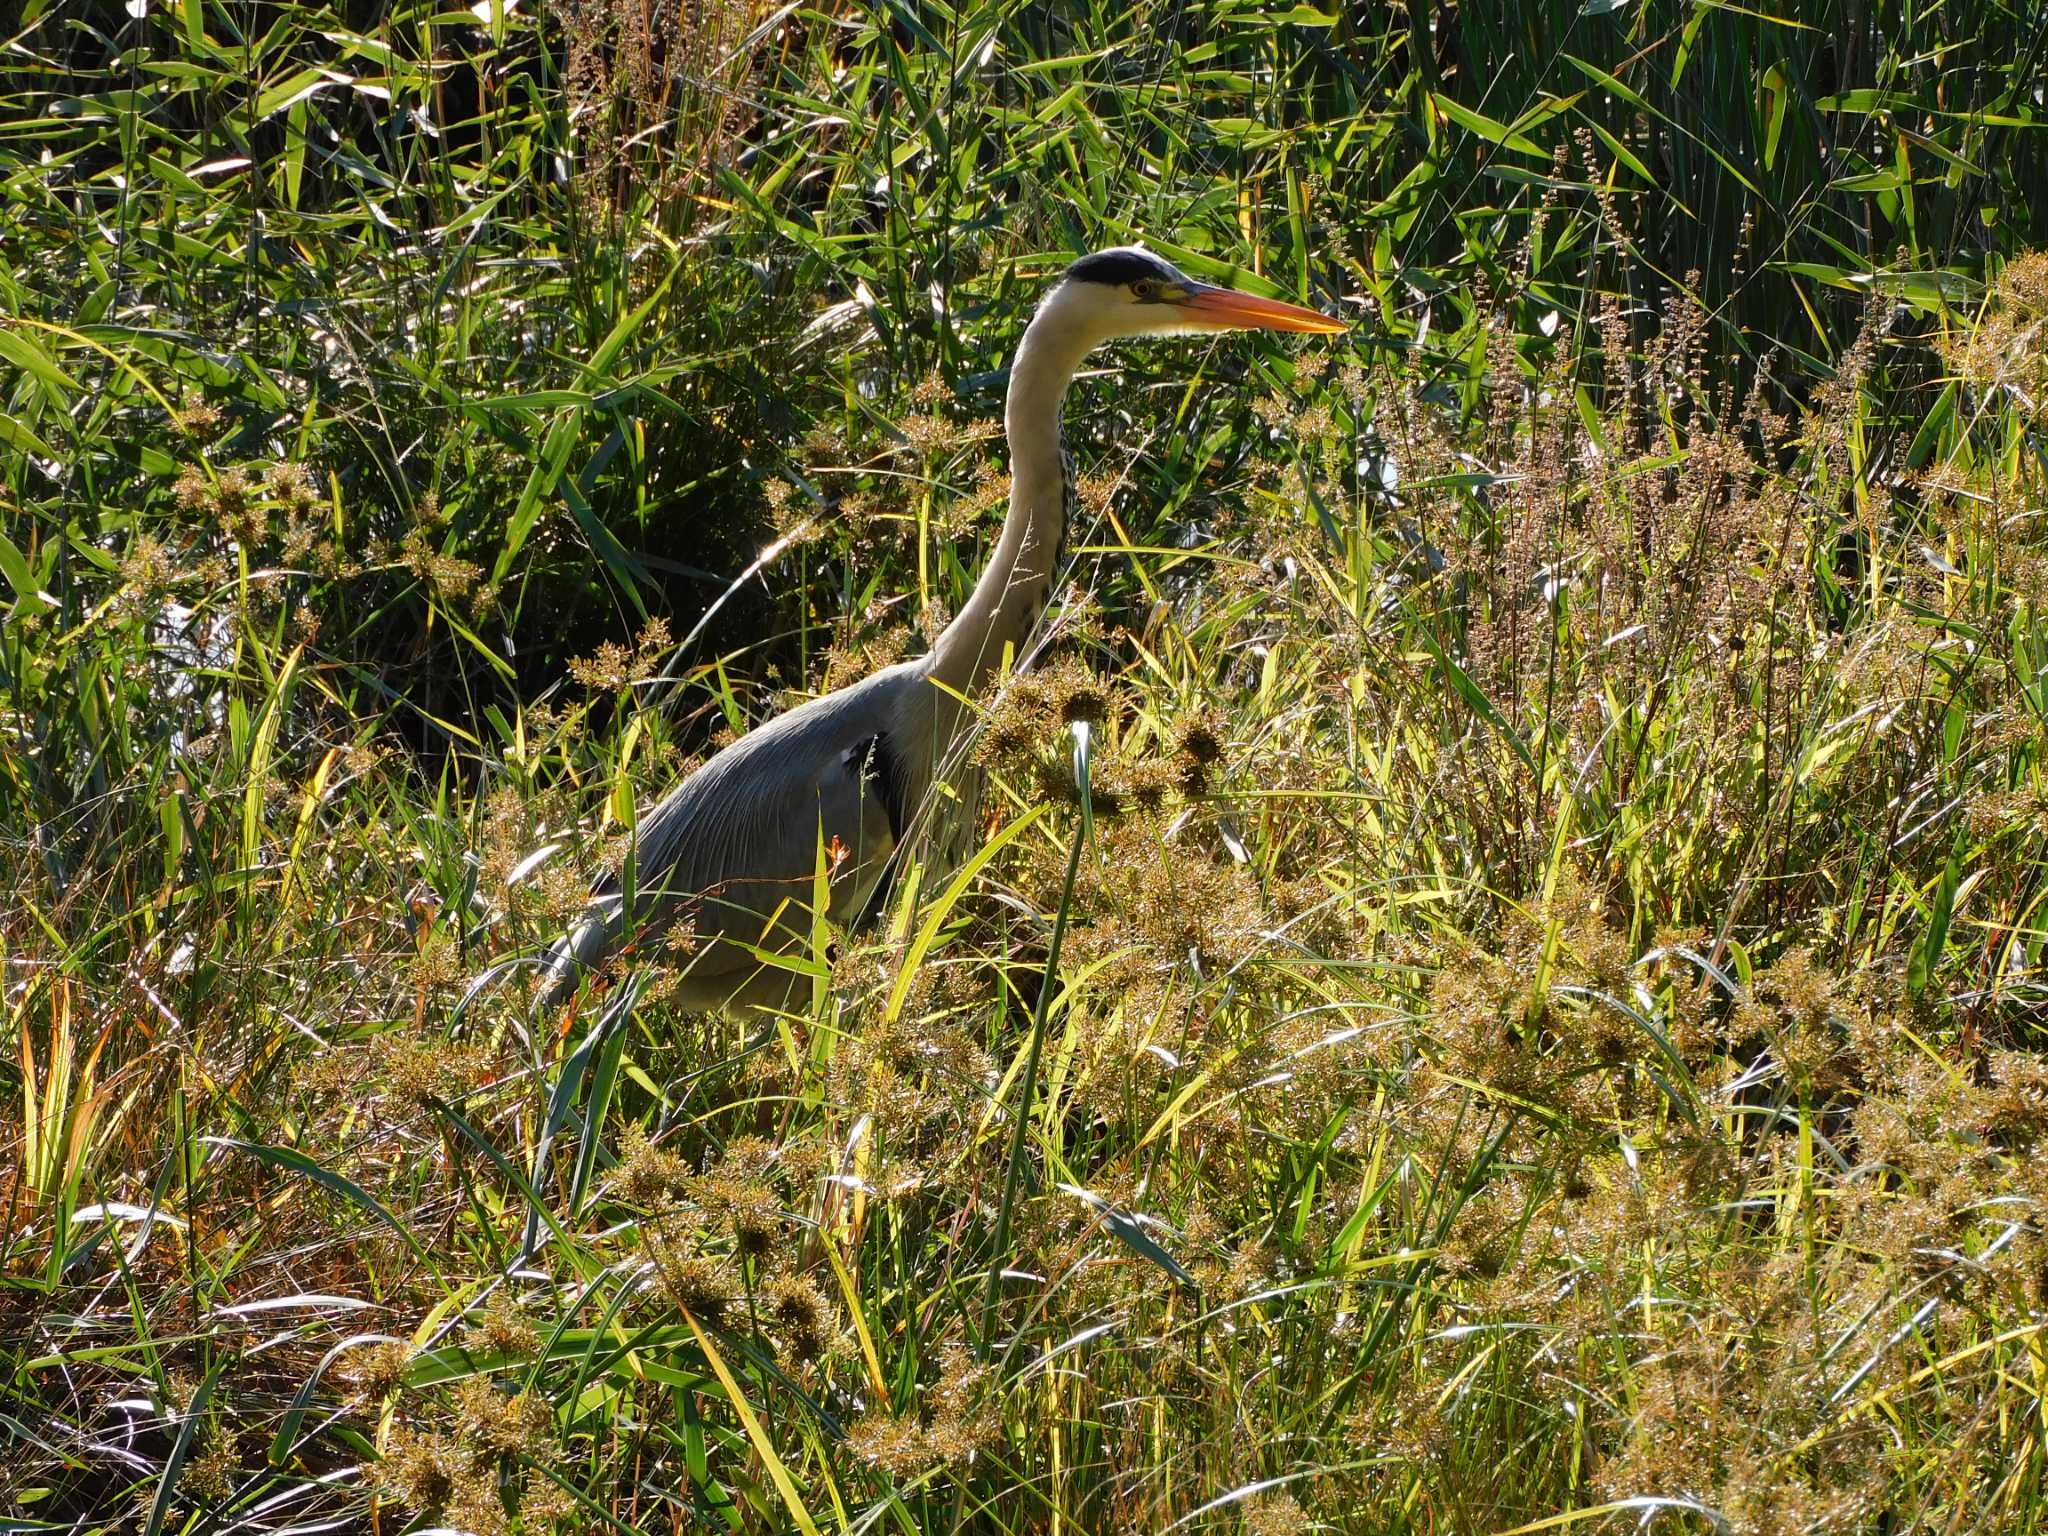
734,848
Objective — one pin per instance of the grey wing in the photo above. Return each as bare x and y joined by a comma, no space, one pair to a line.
740,841
734,848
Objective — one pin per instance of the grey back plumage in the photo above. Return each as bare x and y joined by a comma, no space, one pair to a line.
733,850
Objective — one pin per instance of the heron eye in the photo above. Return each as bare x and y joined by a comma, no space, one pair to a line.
1145,289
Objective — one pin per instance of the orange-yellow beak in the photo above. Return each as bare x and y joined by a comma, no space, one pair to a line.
1225,309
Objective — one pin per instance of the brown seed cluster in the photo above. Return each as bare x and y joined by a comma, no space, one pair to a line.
947,1429
614,668
453,1461
1028,737
2004,355
500,1328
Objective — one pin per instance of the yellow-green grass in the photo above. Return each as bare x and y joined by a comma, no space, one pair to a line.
1540,801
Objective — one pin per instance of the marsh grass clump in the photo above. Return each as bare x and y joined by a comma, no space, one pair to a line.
738,1196
695,1281
2014,1102
1796,1007
1276,1514
420,1073
501,1423
1198,746
214,1472
1545,1029
616,668
650,1176
456,1475
800,1317
424,1471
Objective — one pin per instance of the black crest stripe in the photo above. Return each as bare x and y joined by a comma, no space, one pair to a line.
1116,268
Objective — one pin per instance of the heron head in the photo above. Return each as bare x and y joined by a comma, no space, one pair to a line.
1130,291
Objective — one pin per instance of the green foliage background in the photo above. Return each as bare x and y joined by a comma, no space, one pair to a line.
1568,1060
551,268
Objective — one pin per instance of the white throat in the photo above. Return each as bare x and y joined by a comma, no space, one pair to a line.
1013,589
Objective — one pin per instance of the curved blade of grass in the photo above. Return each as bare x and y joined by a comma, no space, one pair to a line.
188,1425
290,1161
942,908
1021,1115
534,1204
763,1446
295,1412
1476,697
1131,1233
260,751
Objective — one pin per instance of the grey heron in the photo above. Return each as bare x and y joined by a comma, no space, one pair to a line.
736,847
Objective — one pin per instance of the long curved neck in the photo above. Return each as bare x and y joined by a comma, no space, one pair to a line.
1012,592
